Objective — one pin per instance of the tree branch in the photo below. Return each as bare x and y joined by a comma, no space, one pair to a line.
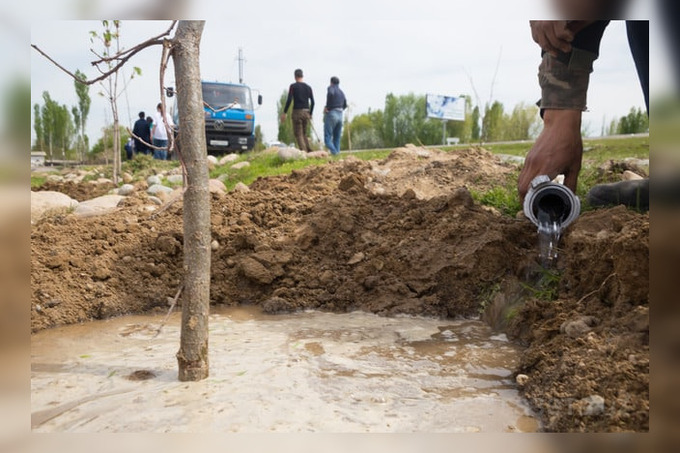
121,57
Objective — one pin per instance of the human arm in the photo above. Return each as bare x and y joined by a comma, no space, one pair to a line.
288,101
311,101
557,150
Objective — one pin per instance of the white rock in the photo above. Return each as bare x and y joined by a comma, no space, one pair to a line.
594,405
153,180
126,189
175,179
44,201
157,189
240,165
55,178
98,206
228,158
216,186
241,188
212,159
522,379
630,176
287,154
320,154
214,245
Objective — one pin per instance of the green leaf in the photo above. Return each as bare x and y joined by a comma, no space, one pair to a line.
137,70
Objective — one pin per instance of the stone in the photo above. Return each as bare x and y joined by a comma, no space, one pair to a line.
158,189
126,189
98,206
175,179
320,154
46,201
228,158
356,258
241,188
628,175
153,180
216,186
522,379
288,154
212,159
593,405
240,165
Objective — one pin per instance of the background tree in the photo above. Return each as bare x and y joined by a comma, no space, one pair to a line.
475,129
492,122
405,121
102,150
259,139
635,122
285,134
522,124
38,128
366,131
56,127
80,114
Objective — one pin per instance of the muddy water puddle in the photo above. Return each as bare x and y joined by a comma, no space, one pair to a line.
309,371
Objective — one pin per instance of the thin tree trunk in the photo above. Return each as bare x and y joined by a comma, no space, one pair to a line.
192,356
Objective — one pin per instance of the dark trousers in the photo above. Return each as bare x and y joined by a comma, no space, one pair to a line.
301,118
638,39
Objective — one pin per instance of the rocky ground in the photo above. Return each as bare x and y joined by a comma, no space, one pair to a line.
401,235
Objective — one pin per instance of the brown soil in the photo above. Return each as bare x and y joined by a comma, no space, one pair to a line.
79,191
398,236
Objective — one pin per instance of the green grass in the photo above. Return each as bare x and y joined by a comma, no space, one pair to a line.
546,286
262,164
37,181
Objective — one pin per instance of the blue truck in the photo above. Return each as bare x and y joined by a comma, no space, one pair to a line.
229,117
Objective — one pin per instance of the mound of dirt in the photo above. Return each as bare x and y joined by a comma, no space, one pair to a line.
402,235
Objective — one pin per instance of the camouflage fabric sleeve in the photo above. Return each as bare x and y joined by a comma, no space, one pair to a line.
564,80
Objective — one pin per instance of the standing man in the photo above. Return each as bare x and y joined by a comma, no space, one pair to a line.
142,134
569,49
332,120
160,134
303,106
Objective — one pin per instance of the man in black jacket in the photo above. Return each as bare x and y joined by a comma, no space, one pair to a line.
332,120
303,105
141,131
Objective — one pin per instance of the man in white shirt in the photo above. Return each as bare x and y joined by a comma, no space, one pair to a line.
159,134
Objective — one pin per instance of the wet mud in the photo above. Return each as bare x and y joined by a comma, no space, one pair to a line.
402,236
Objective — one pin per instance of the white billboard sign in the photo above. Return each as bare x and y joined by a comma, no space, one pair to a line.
445,107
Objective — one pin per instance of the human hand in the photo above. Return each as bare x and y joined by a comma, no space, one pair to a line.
558,150
552,35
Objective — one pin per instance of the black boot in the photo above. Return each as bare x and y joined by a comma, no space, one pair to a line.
633,194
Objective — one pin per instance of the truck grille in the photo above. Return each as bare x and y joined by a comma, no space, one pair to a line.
241,127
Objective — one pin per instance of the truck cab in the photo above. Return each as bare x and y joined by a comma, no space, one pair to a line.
229,117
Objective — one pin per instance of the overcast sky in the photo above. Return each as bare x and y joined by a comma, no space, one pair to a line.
372,56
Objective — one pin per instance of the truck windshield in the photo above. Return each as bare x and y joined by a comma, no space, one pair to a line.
219,96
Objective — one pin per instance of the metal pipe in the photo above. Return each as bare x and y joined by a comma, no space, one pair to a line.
550,202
